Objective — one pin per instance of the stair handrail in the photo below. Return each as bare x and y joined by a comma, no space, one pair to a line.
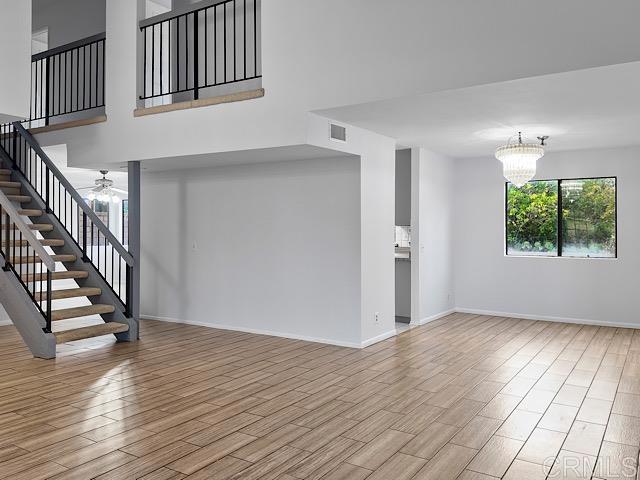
125,255
9,209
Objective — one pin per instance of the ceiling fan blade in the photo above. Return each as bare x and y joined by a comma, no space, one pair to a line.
84,188
119,190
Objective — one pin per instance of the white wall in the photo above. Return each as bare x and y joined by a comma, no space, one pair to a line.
69,20
432,235
273,248
587,290
377,207
15,59
305,69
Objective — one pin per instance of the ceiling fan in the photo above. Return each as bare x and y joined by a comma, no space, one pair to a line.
104,191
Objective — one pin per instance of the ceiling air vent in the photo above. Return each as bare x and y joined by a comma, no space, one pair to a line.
337,132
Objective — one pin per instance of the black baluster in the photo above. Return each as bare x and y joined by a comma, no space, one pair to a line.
215,43
84,236
244,40
235,25
7,249
224,49
48,296
153,60
196,73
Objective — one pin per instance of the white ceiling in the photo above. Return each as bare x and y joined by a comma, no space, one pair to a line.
81,177
593,108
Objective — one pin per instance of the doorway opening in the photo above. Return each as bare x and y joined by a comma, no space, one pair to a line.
403,238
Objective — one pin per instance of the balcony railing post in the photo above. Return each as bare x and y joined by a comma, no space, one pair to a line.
48,90
196,80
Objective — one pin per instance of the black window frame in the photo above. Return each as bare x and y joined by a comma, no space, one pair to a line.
559,219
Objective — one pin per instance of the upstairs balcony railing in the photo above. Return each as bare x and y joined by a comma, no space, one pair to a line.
67,80
216,44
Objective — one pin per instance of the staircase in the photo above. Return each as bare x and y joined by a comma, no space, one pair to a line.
54,249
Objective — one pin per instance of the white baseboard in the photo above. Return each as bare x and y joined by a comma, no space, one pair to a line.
546,318
379,338
436,316
392,333
294,336
4,323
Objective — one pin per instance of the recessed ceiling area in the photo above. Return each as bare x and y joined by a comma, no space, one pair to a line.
82,177
242,157
593,108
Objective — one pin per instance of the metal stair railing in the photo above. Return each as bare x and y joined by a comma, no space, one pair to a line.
98,244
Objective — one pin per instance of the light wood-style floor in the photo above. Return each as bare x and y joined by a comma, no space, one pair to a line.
467,397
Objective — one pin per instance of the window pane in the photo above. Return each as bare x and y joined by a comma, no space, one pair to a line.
589,217
532,219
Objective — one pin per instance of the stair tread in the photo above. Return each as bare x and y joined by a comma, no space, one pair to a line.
63,275
90,332
30,212
47,242
75,312
33,259
43,227
75,292
5,171
19,198
9,184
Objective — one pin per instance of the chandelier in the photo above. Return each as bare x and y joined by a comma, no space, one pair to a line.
519,159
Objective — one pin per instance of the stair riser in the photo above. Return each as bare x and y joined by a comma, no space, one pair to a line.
11,191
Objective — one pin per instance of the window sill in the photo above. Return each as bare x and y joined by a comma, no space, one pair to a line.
71,124
548,257
204,102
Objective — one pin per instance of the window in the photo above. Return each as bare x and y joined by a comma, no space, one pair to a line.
102,211
562,218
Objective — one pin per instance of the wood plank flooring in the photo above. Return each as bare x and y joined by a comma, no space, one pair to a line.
465,397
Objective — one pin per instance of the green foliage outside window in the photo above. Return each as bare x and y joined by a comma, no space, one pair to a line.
532,218
589,217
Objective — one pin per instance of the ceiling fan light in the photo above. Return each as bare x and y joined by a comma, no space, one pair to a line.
91,196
